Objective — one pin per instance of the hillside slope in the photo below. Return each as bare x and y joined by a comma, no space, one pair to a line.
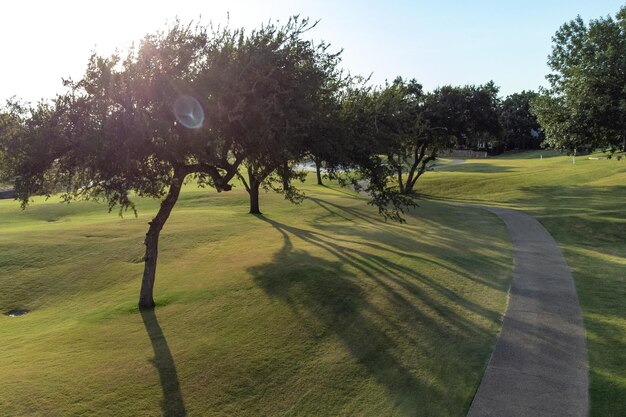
318,309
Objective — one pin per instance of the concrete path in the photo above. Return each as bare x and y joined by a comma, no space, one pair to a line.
539,364
452,163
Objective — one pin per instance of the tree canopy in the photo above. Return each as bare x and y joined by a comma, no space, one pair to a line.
294,73
585,105
520,128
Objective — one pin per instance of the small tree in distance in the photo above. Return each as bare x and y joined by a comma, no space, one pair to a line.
412,128
520,128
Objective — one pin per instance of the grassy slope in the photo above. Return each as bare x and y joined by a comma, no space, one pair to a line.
582,206
317,309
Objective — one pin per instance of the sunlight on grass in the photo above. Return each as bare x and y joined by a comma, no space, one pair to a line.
316,309
582,206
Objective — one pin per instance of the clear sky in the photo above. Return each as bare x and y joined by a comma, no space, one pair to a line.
435,41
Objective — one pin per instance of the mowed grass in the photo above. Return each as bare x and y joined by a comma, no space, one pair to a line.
320,309
583,207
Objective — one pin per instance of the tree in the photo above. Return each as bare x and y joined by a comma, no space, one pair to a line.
9,124
436,129
520,128
447,117
186,102
478,125
326,142
411,128
585,105
288,73
361,156
397,126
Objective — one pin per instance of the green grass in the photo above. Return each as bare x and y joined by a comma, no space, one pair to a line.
318,309
582,206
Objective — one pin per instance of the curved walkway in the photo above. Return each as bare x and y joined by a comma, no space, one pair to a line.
453,162
539,364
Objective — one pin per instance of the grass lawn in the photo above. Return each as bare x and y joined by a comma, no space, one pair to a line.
583,207
319,309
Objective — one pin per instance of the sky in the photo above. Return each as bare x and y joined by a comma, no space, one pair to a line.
437,42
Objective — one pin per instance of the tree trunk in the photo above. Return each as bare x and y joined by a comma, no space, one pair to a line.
146,294
318,171
252,187
400,183
254,196
285,177
418,156
418,168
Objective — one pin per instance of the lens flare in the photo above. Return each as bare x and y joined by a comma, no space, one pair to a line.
189,112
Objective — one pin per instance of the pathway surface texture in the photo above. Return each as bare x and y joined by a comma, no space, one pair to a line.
453,162
539,364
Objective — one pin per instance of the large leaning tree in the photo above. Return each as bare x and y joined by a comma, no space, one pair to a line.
185,103
585,105
116,133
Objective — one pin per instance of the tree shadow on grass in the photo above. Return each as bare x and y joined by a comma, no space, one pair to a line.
412,321
347,190
346,213
606,363
577,214
403,244
163,361
326,299
575,199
